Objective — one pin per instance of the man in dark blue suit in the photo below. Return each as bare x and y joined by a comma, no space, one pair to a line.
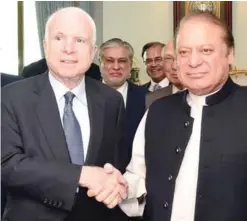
116,57
6,79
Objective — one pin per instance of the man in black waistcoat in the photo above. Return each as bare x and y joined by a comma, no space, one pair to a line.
189,156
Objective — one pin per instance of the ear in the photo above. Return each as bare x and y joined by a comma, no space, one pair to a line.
45,47
131,63
230,56
94,51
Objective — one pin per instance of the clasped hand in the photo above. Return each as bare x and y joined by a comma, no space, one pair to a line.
106,184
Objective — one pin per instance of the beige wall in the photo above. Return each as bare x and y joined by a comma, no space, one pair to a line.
239,21
138,23
141,22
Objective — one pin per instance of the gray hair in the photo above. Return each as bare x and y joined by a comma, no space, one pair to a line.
76,9
116,42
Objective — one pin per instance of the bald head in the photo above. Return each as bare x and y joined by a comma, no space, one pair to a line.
71,15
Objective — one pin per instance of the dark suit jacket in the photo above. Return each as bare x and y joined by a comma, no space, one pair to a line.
135,109
153,96
36,166
147,85
39,67
5,80
8,78
222,177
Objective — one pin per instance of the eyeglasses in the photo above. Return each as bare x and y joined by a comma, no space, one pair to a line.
157,60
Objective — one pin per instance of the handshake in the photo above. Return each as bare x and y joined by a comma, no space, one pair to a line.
106,184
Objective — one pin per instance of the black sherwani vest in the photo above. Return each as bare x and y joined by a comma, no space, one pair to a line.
222,177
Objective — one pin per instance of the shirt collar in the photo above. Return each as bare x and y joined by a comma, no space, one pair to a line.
123,88
60,89
163,83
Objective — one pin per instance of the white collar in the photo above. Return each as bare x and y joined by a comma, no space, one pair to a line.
164,83
123,88
60,89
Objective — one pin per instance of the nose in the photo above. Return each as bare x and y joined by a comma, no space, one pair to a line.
195,59
69,46
154,63
116,65
174,65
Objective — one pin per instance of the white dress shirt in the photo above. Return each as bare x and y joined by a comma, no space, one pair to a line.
80,106
186,182
122,90
164,83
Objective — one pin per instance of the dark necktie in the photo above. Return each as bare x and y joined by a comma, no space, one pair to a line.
72,131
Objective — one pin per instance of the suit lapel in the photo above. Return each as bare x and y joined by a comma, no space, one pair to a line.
49,118
169,89
130,99
96,111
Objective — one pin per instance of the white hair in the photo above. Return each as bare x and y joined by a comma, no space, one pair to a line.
51,17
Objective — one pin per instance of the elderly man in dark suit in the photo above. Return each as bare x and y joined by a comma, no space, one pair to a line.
58,130
190,150
170,69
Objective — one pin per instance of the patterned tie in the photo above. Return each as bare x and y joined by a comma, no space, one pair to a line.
72,131
156,87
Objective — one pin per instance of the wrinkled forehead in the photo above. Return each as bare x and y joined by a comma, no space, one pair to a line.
195,32
71,24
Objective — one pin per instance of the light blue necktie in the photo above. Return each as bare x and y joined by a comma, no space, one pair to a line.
156,87
72,131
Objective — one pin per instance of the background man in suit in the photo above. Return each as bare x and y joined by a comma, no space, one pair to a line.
152,57
5,80
168,53
200,174
59,129
8,78
40,66
115,56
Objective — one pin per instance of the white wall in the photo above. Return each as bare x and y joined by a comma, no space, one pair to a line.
141,22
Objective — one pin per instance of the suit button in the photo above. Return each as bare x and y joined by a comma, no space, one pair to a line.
59,204
200,196
187,123
165,204
50,202
55,204
45,201
170,177
178,149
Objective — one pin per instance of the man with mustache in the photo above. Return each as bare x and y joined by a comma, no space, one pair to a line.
152,57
